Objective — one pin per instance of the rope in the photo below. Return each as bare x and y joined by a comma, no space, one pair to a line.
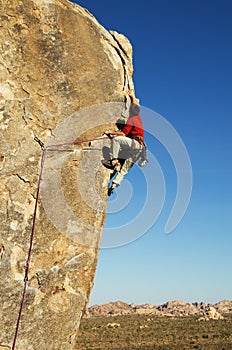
27,267
30,249
76,142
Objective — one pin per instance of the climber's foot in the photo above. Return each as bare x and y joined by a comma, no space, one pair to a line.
111,189
110,164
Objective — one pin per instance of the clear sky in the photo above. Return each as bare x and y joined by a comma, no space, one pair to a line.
182,56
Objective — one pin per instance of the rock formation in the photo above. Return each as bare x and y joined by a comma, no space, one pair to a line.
175,308
210,313
224,306
62,77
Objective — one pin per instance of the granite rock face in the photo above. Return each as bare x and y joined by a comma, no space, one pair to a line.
62,77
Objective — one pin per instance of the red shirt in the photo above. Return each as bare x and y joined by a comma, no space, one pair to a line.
134,127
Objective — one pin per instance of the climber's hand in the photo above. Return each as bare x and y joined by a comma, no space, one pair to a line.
108,134
131,93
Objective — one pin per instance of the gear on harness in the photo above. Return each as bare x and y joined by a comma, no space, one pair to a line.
142,160
141,156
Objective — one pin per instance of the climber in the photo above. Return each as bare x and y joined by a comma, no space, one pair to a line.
127,144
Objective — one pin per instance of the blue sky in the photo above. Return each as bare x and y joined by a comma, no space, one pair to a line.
183,71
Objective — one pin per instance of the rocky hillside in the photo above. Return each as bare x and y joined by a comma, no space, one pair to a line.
62,79
171,308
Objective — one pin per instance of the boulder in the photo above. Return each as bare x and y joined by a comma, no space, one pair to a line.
224,306
62,80
210,313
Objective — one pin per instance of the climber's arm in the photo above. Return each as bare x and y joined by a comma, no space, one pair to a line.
115,133
131,93
118,133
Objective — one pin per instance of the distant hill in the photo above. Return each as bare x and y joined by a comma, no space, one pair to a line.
170,308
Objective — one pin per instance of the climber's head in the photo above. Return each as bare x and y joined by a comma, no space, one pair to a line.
134,109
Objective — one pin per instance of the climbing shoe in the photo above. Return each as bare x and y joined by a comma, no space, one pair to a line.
111,189
110,164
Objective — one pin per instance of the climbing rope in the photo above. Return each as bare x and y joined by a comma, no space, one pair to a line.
27,266
30,249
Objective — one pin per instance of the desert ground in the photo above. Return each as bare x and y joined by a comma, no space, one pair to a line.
145,332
